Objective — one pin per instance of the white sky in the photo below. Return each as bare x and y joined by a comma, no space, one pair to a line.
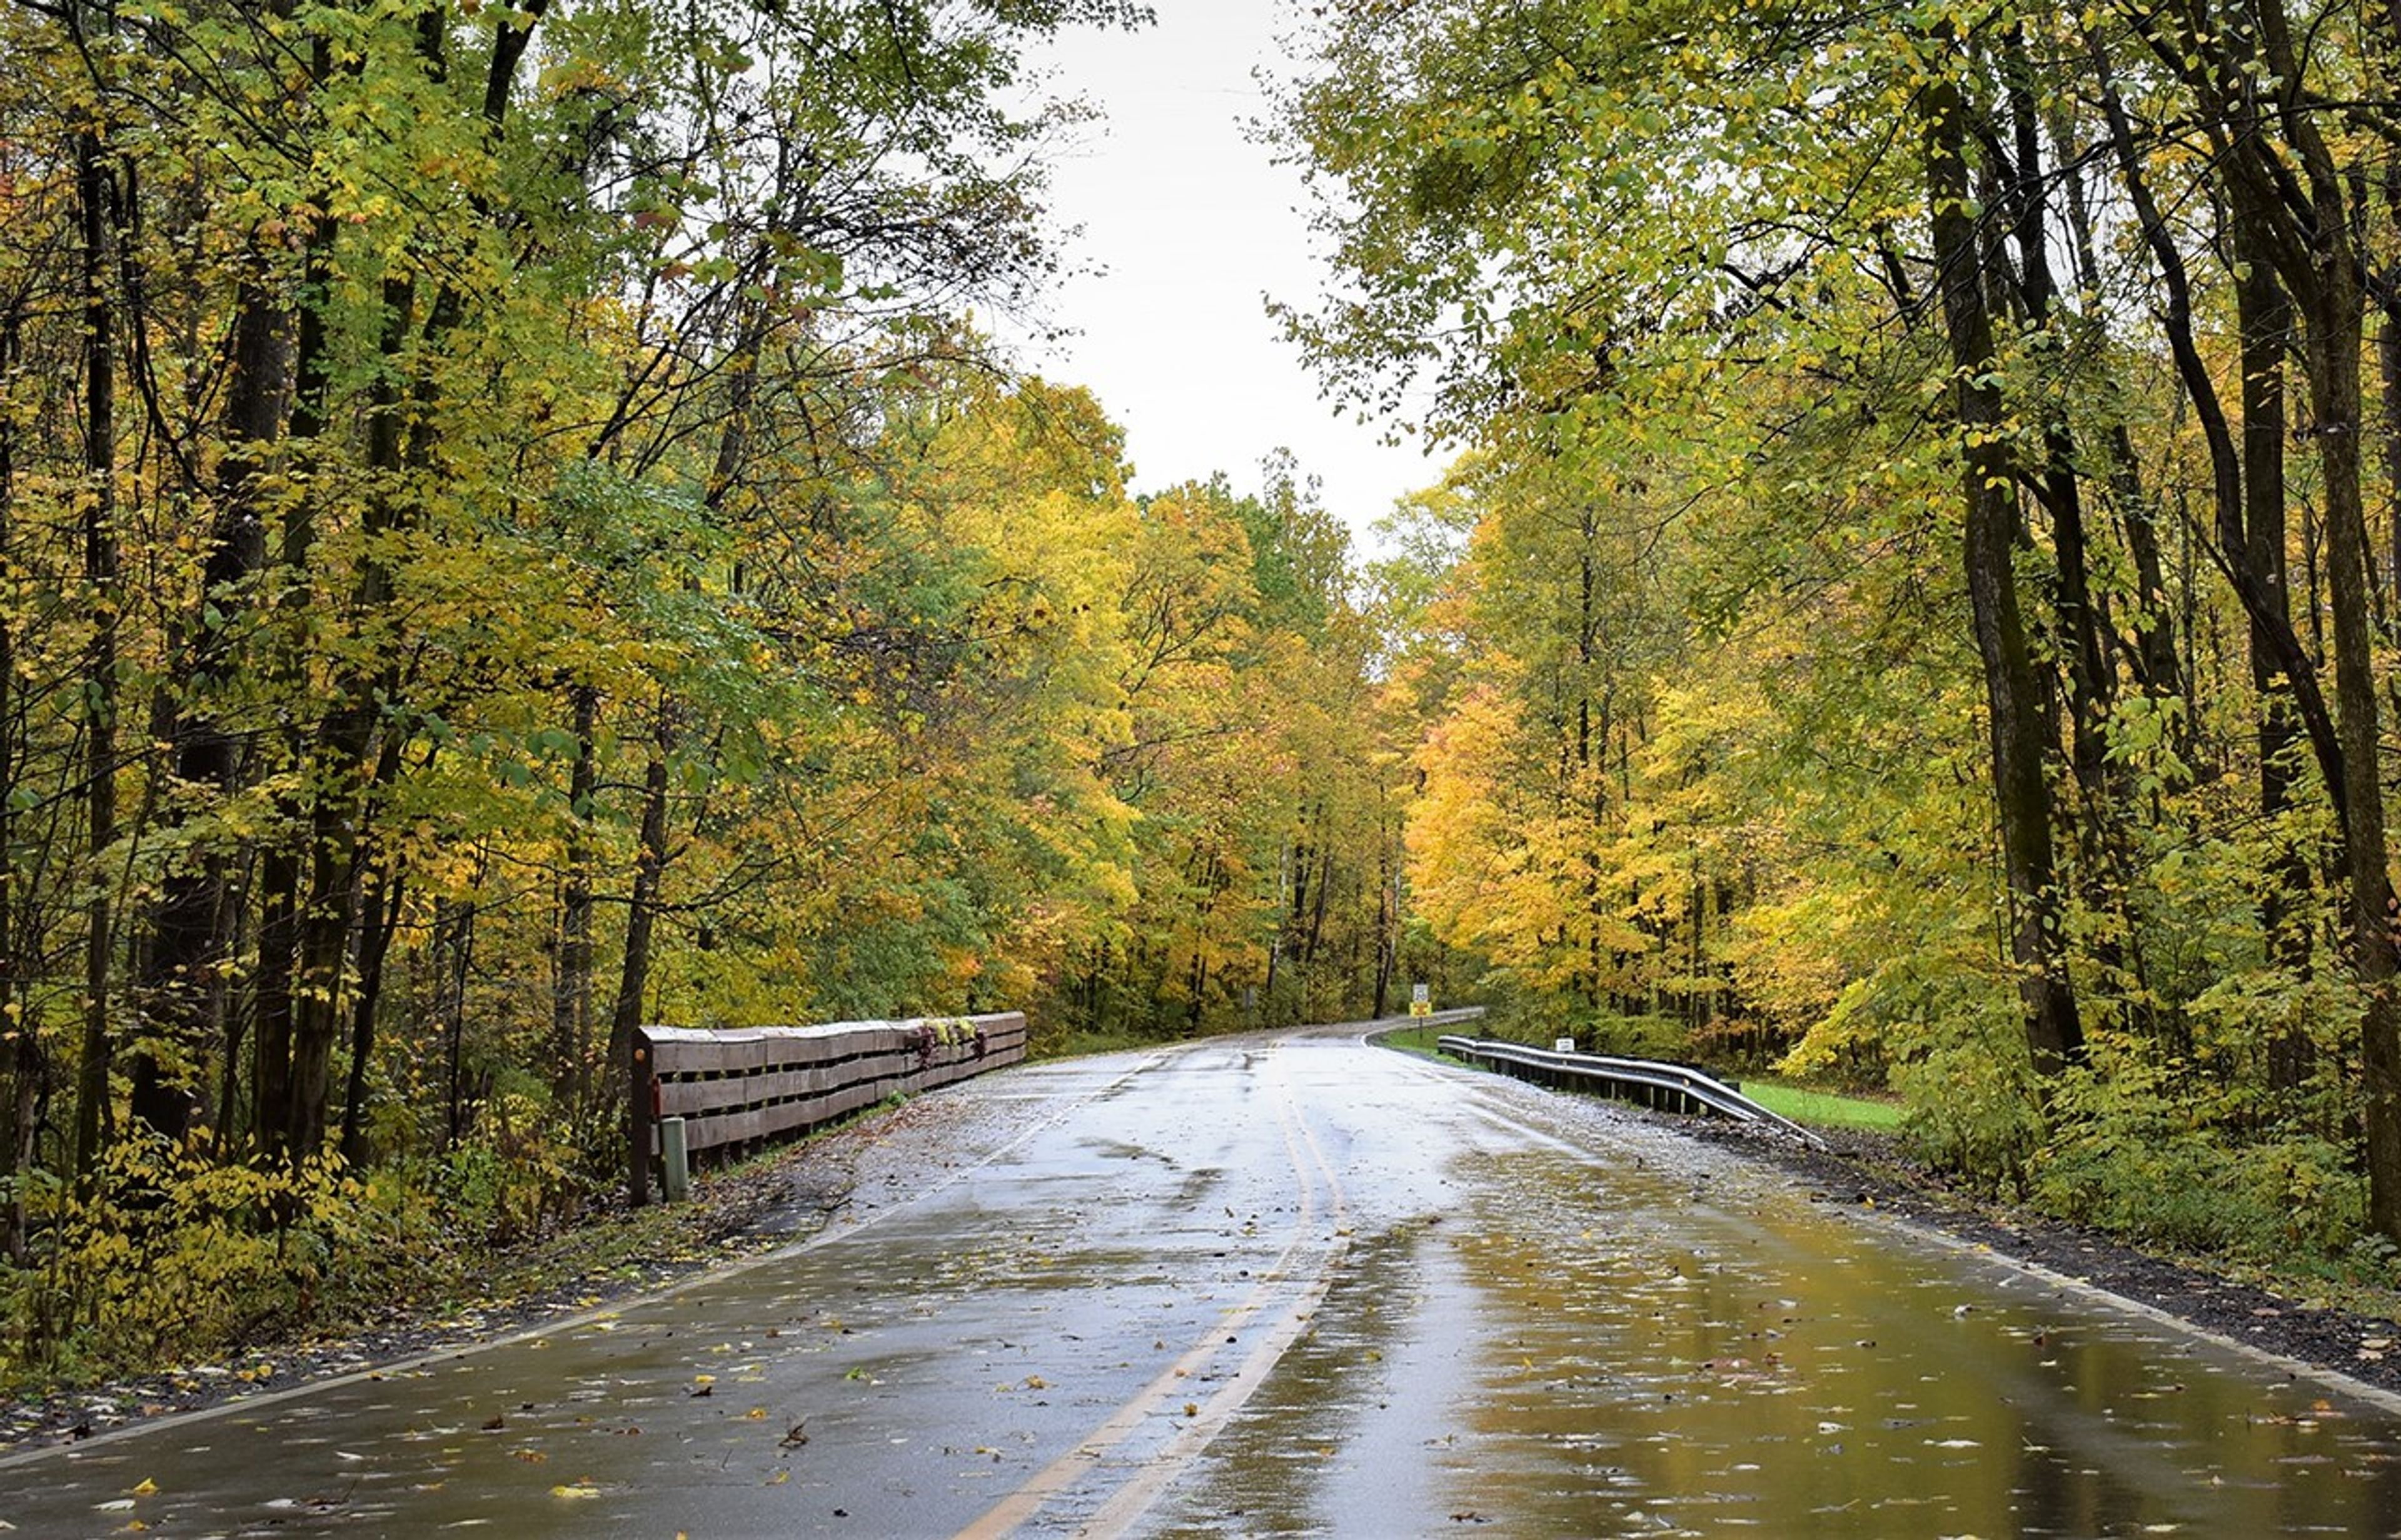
1192,226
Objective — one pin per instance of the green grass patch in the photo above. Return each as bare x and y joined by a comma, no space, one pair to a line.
1080,1042
1424,1041
1824,1108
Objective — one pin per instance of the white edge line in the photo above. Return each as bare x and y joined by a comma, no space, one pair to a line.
557,1326
2333,1378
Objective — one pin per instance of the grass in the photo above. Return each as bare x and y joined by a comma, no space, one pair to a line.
1824,1108
1421,1041
1425,1041
1077,1043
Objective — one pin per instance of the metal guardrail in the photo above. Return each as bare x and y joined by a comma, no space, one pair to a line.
1668,1087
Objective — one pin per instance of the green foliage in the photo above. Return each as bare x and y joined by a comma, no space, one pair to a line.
2155,1153
1714,724
179,1255
1664,1038
583,567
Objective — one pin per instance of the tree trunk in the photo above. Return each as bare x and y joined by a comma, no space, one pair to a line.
2082,625
454,952
94,184
2388,359
570,1007
183,985
2055,1034
2155,661
20,1055
649,866
1387,948
2264,321
2254,568
401,438
279,861
2333,307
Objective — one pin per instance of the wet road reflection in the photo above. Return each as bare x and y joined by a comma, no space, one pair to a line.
1293,1286
1594,1332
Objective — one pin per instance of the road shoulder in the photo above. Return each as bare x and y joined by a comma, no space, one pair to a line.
1870,1173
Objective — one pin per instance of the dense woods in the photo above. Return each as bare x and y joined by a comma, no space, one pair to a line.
1926,581
511,530
508,533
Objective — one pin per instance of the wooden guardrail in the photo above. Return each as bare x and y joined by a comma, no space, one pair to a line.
1670,1087
742,1087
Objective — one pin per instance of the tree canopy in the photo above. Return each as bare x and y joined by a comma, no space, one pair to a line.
511,530
1928,610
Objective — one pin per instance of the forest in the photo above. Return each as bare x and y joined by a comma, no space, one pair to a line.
515,526
1926,566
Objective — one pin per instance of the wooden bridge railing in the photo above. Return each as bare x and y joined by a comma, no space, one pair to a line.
741,1088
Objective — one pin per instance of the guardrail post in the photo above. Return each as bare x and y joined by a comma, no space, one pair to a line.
675,1160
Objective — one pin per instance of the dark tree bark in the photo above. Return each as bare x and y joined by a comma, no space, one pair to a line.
183,987
454,953
2324,279
2255,568
379,910
2081,621
96,192
280,868
570,1009
650,868
315,900
2054,1033
2156,668
20,1049
2264,321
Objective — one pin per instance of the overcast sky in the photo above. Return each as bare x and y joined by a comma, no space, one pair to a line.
1192,225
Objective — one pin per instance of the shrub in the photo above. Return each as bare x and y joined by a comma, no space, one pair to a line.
175,1254
2145,1151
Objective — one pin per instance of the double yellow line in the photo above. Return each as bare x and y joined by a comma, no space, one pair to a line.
1166,1396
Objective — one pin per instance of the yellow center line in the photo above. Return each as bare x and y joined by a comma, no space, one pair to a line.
1128,1503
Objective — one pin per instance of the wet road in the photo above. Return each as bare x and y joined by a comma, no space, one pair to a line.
1280,1286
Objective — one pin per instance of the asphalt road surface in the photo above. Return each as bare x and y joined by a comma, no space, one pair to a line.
1289,1285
